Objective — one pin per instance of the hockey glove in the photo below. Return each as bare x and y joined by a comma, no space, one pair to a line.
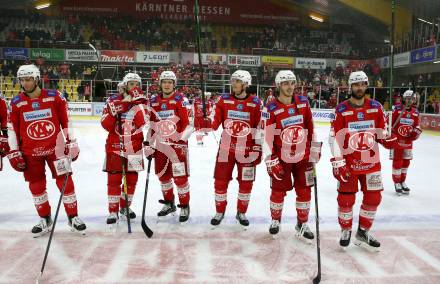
17,161
274,167
340,170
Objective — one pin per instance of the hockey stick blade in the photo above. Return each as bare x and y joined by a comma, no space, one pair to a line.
317,279
148,232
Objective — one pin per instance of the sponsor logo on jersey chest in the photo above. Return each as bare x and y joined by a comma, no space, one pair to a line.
37,114
232,114
297,119
360,125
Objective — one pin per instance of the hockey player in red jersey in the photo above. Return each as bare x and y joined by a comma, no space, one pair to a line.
239,113
405,119
124,112
39,133
168,144
290,151
4,145
198,114
358,127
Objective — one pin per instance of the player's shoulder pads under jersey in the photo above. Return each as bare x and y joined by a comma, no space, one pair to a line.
256,100
375,104
153,99
342,107
272,106
16,100
397,107
225,96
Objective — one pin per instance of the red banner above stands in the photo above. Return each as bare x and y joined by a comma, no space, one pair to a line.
217,11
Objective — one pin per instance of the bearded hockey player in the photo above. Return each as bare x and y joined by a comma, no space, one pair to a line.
39,134
239,113
168,144
358,127
288,134
124,116
4,145
405,119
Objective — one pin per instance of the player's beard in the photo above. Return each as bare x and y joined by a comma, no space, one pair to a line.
31,91
360,94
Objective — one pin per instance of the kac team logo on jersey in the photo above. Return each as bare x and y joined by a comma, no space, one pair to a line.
291,111
362,141
360,116
166,128
163,106
240,107
41,129
293,135
405,130
237,128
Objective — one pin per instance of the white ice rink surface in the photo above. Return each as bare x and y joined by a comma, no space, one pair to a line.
407,226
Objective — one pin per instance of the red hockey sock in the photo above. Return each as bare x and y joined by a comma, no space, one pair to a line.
345,210
397,171
131,186
167,190
221,188
114,181
41,200
182,190
276,204
369,206
303,196
244,195
405,166
69,198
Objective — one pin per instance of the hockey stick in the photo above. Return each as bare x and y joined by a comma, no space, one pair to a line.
199,51
53,228
317,279
147,230
124,176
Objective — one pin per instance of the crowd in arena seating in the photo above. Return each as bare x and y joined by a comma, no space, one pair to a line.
107,32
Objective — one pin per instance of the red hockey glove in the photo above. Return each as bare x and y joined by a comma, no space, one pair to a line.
118,106
148,150
274,167
257,149
415,134
72,149
17,162
389,142
204,123
315,152
4,145
137,95
340,170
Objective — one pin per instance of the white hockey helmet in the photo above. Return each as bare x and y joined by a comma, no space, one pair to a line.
408,94
284,76
132,77
29,70
243,76
357,77
168,75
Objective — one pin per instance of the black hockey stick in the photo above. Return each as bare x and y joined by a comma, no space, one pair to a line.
317,279
146,229
199,51
53,228
124,176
